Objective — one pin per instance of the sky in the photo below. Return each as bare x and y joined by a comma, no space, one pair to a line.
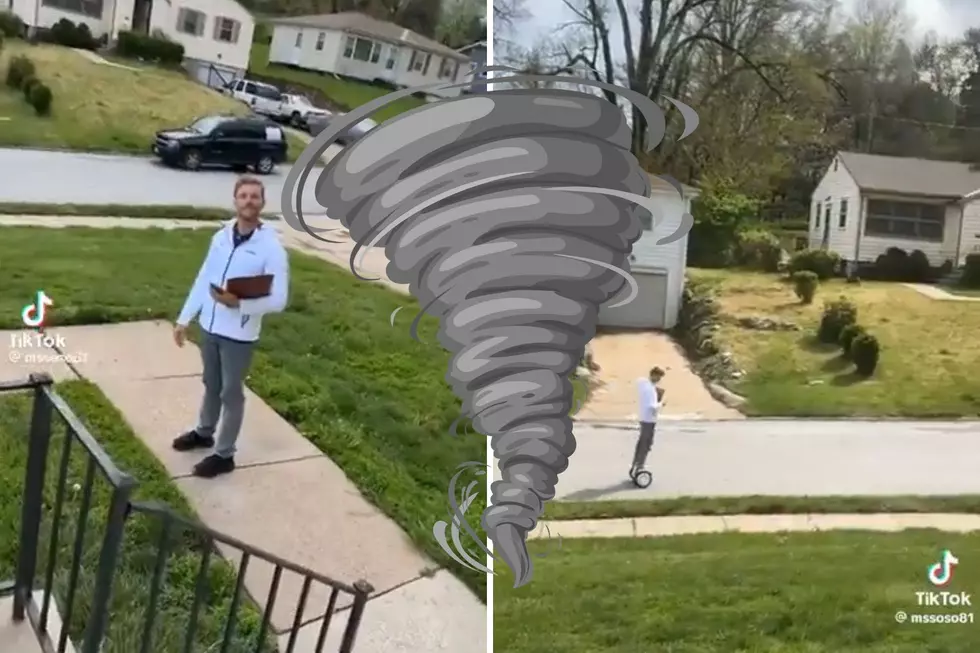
948,18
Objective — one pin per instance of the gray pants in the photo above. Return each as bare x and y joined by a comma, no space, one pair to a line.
643,444
226,363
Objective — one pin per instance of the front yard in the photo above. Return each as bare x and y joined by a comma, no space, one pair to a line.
930,352
833,592
104,108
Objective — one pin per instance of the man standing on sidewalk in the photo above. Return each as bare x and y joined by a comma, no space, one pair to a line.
650,404
244,247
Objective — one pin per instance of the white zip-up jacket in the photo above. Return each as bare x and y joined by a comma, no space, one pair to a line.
260,254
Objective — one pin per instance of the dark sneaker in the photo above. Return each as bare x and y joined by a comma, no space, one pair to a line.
214,465
192,440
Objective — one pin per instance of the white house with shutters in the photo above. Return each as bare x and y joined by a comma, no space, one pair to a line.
354,45
657,269
867,203
216,34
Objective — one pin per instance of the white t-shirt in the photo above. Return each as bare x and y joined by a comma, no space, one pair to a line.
649,402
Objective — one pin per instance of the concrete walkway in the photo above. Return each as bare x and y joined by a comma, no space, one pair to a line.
935,292
693,525
286,497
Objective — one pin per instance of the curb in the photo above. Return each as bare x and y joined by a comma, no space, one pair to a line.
785,523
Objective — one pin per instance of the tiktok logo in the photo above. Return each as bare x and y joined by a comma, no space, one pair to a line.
942,572
35,313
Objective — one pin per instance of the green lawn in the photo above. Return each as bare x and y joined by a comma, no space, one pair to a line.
365,393
345,93
835,592
759,505
929,350
162,211
131,592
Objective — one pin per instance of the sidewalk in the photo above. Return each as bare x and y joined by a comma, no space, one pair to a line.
286,497
692,525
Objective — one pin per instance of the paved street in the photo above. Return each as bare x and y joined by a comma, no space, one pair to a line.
80,178
779,457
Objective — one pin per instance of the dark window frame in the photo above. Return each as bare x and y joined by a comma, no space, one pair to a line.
90,8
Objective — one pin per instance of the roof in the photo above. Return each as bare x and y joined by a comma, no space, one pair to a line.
473,46
908,176
363,25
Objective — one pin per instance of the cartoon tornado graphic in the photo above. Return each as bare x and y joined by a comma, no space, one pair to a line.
511,216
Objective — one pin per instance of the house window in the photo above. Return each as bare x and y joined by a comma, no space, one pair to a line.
816,223
835,165
826,213
362,49
299,39
448,69
191,21
906,220
418,61
319,40
91,8
392,52
842,219
425,68
226,29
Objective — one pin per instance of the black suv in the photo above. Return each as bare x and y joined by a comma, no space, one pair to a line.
224,140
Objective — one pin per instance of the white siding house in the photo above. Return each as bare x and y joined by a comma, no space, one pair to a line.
658,269
358,46
214,33
866,203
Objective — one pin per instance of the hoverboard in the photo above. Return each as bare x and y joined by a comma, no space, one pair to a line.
641,478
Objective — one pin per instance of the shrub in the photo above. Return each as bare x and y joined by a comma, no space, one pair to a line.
865,352
40,98
758,249
836,315
719,213
821,262
847,336
945,269
11,25
919,267
70,35
18,70
149,48
971,271
805,285
696,331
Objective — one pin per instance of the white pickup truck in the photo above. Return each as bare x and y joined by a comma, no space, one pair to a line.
268,100
298,110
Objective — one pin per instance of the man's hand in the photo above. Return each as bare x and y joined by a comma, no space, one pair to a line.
224,297
180,335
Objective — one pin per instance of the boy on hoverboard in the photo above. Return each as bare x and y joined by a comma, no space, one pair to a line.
651,400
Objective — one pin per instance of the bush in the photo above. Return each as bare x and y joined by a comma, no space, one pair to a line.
847,337
865,352
836,315
19,70
805,285
919,267
150,48
971,271
758,249
40,98
70,35
821,262
11,25
719,213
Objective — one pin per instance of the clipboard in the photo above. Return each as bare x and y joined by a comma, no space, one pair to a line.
250,287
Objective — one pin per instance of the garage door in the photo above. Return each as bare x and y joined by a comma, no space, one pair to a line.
647,309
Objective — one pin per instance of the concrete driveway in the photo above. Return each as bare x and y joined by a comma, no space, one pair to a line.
778,458
79,178
625,357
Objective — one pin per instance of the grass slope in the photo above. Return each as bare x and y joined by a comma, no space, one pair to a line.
929,351
365,393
